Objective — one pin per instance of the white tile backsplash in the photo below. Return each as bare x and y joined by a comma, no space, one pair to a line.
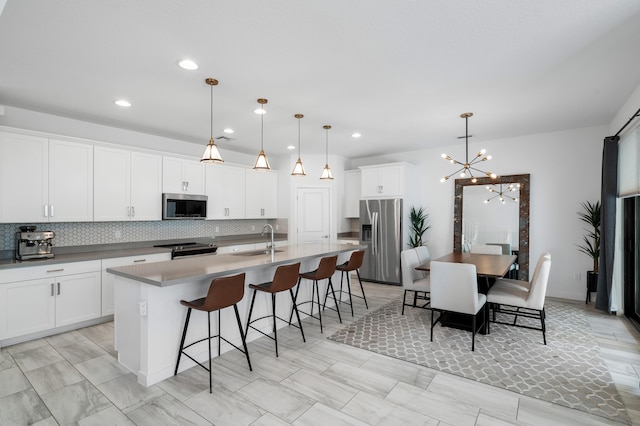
89,233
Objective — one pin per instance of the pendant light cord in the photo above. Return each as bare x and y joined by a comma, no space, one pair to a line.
298,138
262,129
211,111
466,138
327,147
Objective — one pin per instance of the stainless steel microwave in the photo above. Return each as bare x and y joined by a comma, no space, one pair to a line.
184,206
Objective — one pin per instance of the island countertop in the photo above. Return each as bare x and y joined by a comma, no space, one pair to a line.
188,269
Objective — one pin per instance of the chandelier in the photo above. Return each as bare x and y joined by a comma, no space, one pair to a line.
501,191
468,166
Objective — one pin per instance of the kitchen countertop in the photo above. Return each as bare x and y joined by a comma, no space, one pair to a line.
109,251
196,268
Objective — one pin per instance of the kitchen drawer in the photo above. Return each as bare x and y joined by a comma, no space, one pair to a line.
132,260
237,248
48,270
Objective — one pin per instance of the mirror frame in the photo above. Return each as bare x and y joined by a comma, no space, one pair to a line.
523,229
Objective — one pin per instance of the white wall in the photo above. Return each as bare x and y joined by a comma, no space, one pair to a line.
565,170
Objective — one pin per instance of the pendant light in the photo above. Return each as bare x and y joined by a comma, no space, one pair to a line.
326,172
261,162
211,153
467,165
298,170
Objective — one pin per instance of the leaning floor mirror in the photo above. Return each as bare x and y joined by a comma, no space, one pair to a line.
494,211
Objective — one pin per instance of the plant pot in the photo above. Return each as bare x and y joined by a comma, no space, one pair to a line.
592,284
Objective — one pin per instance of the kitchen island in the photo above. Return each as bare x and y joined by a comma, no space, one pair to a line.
149,318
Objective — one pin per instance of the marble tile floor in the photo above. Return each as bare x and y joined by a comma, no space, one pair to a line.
73,378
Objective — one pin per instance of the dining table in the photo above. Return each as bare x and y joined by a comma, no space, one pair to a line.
488,266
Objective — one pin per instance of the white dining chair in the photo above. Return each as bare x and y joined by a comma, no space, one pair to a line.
415,281
454,289
522,298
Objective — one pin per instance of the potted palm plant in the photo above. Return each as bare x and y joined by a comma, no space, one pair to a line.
591,246
417,225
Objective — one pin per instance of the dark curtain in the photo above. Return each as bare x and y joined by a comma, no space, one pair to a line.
607,221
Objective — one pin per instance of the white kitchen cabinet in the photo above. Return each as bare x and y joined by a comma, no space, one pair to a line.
45,180
49,297
261,194
180,176
384,181
352,193
225,187
128,185
108,279
24,188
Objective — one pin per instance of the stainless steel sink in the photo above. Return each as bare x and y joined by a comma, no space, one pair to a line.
255,252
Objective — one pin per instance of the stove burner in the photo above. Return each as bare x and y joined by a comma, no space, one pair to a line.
189,249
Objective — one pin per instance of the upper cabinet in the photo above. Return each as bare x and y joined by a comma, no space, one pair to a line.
261,194
225,187
180,176
127,185
352,193
385,180
45,180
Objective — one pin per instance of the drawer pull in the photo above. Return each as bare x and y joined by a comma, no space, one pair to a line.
139,260
55,270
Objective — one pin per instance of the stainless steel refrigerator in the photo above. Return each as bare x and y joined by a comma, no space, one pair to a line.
381,232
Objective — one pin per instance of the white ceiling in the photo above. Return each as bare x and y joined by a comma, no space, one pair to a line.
398,71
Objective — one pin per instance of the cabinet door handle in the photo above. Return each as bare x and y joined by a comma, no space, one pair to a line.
52,289
128,211
55,270
139,260
58,289
46,210
51,210
133,211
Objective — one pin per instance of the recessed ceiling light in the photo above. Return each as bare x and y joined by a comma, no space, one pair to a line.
123,103
260,111
188,64
291,147
356,135
227,130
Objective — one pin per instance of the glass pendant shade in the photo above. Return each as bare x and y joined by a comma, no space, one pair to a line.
326,172
298,169
261,162
211,154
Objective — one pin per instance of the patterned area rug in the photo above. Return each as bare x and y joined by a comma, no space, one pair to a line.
567,371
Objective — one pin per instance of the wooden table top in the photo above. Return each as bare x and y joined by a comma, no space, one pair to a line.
487,265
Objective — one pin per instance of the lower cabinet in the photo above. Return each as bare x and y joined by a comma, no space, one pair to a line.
64,294
108,279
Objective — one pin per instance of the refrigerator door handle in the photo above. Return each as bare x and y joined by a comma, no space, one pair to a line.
374,236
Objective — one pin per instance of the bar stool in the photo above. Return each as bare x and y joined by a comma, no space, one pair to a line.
353,264
284,279
223,292
326,269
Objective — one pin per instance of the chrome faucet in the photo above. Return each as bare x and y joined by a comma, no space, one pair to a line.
271,246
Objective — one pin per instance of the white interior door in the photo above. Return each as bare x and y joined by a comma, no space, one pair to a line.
313,215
